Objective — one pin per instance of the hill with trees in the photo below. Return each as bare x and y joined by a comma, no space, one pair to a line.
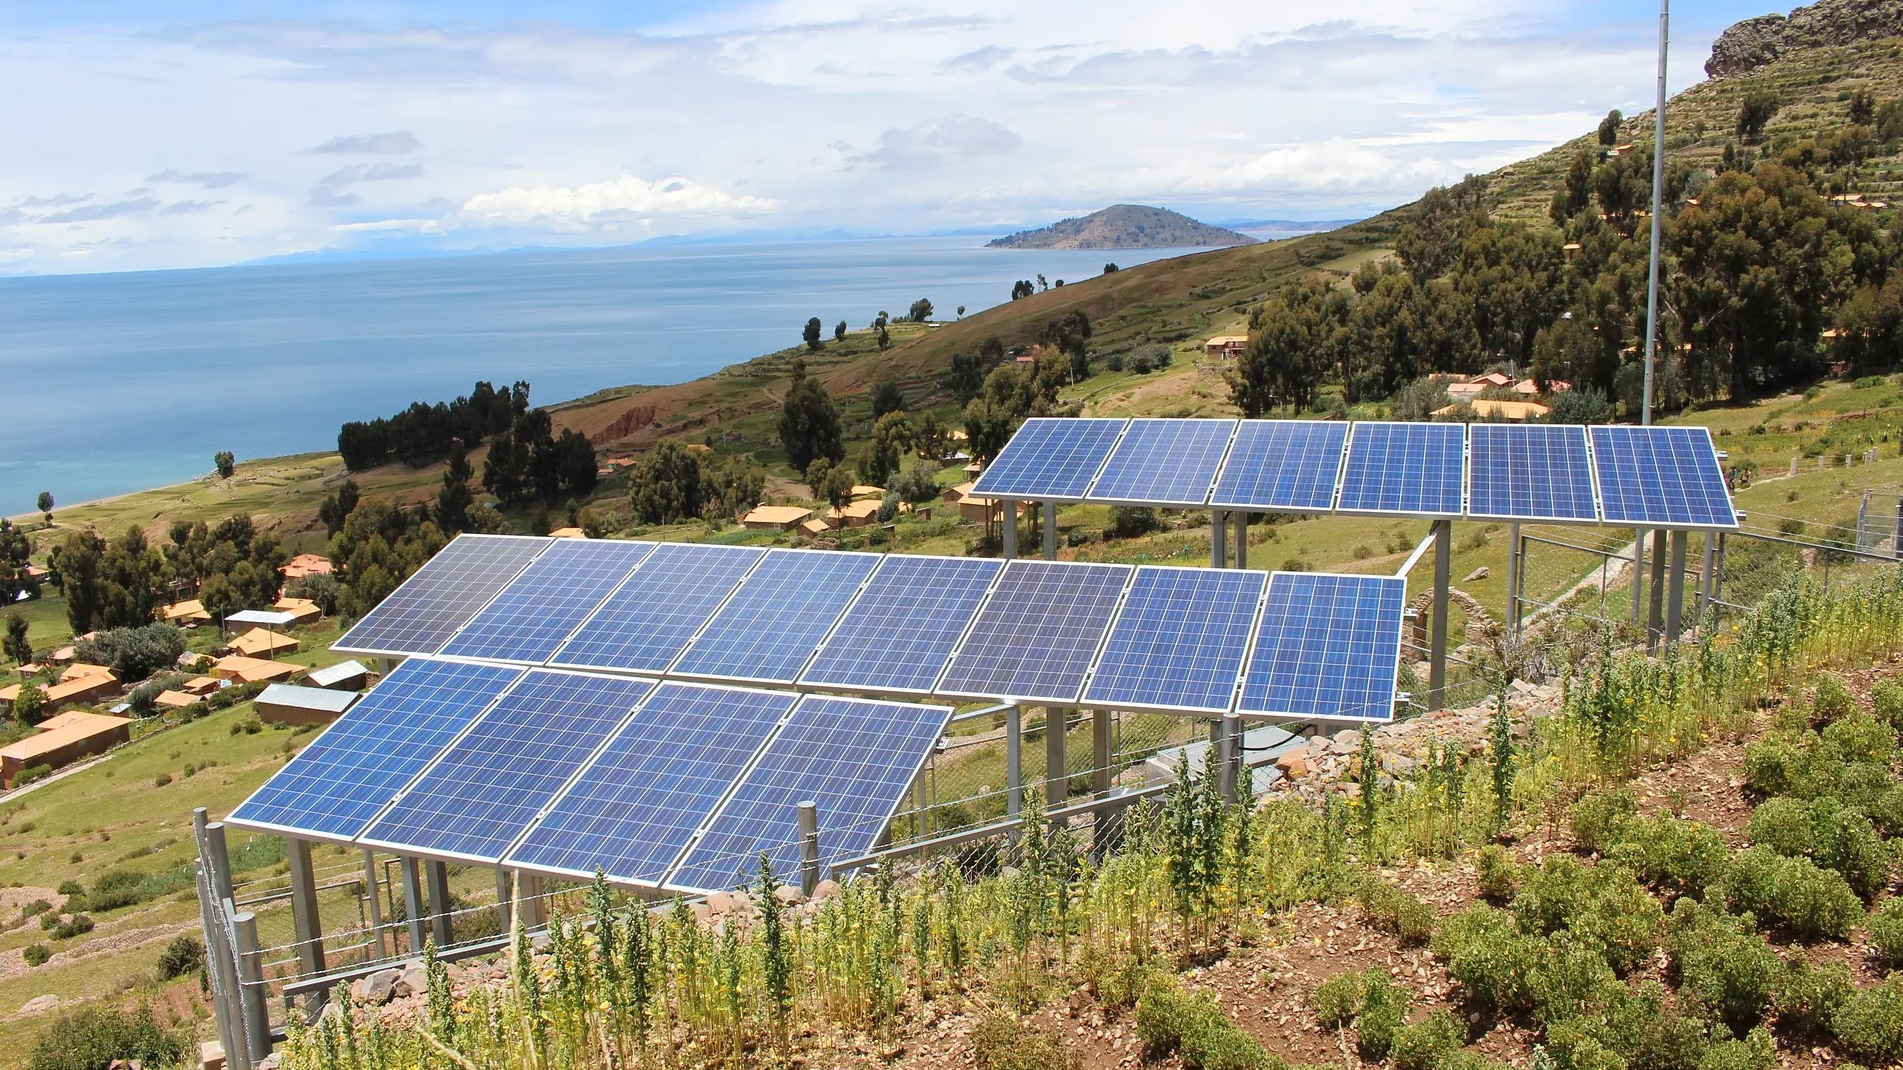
1124,226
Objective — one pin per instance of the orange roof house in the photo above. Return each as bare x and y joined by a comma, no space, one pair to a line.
1226,346
307,565
246,670
764,517
175,700
853,514
814,528
262,643
79,669
864,490
568,533
61,740
91,688
303,609
189,610
1511,410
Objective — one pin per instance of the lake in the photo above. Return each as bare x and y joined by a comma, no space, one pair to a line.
119,382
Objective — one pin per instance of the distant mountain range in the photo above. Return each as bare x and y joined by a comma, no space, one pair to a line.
1124,226
1285,226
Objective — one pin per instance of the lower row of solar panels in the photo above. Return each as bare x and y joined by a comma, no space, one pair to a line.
1188,640
661,785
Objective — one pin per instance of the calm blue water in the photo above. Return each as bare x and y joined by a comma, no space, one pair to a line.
120,382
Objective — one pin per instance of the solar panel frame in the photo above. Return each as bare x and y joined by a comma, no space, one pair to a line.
735,634
1379,634
1168,583
648,765
937,618
654,615
1018,611
1629,496
896,738
534,616
479,770
1050,458
1164,462
382,731
1371,466
1533,473
511,554
1291,483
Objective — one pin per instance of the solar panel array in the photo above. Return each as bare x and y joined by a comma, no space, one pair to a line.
1038,633
902,629
783,610
1649,476
1328,645
1180,641
536,613
450,588
644,626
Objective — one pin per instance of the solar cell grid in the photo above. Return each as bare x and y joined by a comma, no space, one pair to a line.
535,613
1050,458
1406,469
1529,472
635,807
852,757
646,623
337,784
1328,646
426,609
901,630
1164,462
485,790
772,625
1663,476
1179,641
1287,465
1038,632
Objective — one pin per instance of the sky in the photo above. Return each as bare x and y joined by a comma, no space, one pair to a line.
187,133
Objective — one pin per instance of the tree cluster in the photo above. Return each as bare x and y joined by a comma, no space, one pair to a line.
1011,393
122,583
809,422
526,462
134,653
112,584
422,434
1070,335
966,375
673,483
376,547
232,566
14,551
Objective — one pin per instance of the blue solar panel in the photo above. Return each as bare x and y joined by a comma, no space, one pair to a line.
1179,642
635,807
335,786
900,632
1038,632
533,615
1164,462
1663,476
486,789
450,588
778,617
646,624
1289,465
1050,458
1329,646
1529,472
853,758
1410,469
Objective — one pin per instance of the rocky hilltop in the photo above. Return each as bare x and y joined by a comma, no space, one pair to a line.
1755,42
1125,226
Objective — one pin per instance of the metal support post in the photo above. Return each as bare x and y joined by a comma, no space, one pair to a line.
1704,576
1515,547
413,903
1655,612
1718,571
375,901
1231,726
1056,763
305,920
1242,538
503,899
1437,640
1013,760
1218,542
1009,549
438,877
257,1016
529,900
1100,751
1049,519
1675,595
217,962
1638,577
809,847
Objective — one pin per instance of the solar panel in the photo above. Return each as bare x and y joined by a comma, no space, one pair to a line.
1037,633
533,615
1409,469
1283,465
450,588
1529,472
854,758
338,783
487,788
1663,476
901,630
1329,646
645,625
1050,458
635,807
779,616
1179,641
1164,462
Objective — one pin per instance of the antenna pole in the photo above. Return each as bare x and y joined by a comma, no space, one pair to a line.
1658,217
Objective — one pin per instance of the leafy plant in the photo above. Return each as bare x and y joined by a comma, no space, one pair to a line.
1793,892
91,1038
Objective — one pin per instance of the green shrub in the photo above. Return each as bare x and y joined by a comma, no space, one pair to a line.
1886,932
91,1038
1622,922
1572,979
1599,818
1383,1012
1722,967
1499,877
1886,699
1792,892
184,954
1426,1043
1676,856
1755,1052
1774,764
118,888
1785,826
1807,996
1488,956
36,954
1848,844
1831,700
76,925
1859,737
1869,1025
37,906
1396,910
70,888
1646,1030
1579,1045
1001,1043
1339,1000
1553,894
1170,1021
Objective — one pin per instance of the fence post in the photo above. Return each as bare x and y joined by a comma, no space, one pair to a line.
1437,656
1638,577
1675,600
1515,549
376,904
413,903
210,915
1100,750
257,1014
529,900
437,875
1896,543
1656,604
305,918
503,899
1056,758
1242,538
809,847
1232,770
1013,760
1704,575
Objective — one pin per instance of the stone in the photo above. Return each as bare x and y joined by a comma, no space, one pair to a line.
1345,742
36,1006
789,894
1480,573
720,903
1293,764
826,889
269,1062
379,987
411,982
211,1056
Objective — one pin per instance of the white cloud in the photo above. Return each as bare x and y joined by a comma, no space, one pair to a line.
947,139
608,205
394,143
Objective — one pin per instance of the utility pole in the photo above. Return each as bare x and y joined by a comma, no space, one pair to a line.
1658,216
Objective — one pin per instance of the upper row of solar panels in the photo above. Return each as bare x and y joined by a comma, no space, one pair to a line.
1556,473
1152,637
